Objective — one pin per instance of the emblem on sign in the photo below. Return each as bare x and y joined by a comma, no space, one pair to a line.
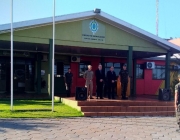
93,26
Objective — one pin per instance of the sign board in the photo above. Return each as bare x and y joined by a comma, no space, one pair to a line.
93,31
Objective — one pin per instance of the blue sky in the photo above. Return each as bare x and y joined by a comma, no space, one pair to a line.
141,13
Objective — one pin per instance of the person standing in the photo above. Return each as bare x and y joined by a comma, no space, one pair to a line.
123,76
68,81
99,81
177,102
88,76
111,79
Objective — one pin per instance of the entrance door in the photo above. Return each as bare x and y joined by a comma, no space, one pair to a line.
59,83
29,79
60,68
23,74
2,77
19,78
8,78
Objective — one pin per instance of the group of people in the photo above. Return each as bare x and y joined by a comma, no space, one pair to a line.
111,81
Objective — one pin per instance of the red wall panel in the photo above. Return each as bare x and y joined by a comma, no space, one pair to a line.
148,81
148,85
155,85
139,86
143,86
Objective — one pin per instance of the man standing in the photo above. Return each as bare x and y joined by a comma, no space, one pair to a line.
99,81
111,79
177,103
88,76
123,75
68,81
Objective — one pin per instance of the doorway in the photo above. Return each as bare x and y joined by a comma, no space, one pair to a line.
23,75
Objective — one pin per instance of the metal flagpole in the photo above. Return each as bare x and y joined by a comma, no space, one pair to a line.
11,55
53,56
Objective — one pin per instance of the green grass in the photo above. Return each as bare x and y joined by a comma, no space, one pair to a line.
36,109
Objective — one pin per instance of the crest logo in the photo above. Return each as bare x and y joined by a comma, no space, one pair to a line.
93,26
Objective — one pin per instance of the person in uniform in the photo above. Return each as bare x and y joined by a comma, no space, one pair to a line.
68,81
111,79
100,76
88,76
123,76
177,103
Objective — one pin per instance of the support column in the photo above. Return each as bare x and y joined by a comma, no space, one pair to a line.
129,60
50,67
129,67
134,77
39,57
167,71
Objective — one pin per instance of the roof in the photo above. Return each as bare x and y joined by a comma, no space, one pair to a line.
175,41
176,56
101,16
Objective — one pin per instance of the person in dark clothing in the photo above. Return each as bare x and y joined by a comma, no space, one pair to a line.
68,81
111,81
100,76
177,103
123,75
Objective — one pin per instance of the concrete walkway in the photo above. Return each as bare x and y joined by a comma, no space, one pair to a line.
113,128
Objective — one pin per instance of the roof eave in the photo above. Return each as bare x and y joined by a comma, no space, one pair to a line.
143,34
102,16
46,21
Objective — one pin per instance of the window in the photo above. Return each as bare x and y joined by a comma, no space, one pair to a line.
117,67
29,69
2,71
55,69
159,72
83,66
66,67
139,72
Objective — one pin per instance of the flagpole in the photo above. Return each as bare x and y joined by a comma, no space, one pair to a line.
53,56
11,55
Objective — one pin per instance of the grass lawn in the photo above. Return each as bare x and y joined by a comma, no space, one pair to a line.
36,109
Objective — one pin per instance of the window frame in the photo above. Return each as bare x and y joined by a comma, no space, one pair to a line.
120,66
87,63
161,67
138,68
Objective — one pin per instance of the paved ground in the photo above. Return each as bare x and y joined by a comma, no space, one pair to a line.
114,128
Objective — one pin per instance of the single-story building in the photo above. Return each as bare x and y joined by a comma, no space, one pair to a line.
81,39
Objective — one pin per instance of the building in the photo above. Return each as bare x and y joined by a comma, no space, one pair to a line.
150,81
80,39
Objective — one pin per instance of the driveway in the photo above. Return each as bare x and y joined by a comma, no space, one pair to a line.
84,128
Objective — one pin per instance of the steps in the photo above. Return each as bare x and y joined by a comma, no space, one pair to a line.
104,114
126,108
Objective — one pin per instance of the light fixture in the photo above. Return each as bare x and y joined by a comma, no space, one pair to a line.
97,10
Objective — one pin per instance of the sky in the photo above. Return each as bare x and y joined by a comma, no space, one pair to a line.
140,13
